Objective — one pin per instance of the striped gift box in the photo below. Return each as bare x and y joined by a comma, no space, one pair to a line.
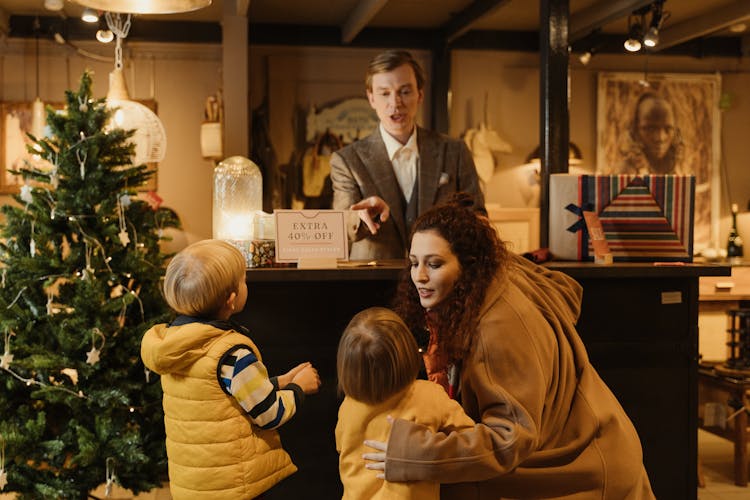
644,218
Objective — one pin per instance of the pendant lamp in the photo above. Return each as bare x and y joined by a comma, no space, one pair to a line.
150,138
145,6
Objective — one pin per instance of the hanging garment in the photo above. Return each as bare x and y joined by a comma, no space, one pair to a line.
316,169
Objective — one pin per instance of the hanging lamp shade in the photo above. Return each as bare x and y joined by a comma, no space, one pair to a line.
38,118
150,138
145,6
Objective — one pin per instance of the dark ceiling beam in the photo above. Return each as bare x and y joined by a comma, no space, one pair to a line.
599,14
142,30
604,43
704,24
464,20
360,17
330,36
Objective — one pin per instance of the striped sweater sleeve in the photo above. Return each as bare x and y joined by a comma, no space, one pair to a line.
244,376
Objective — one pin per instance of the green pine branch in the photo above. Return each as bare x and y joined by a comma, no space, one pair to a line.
71,285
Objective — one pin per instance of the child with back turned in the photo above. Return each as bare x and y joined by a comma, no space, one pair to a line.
221,408
377,363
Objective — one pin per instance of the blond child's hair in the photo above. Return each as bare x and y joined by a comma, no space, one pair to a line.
202,276
377,356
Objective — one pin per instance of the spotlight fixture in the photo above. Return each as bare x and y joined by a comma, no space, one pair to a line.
652,35
90,16
635,31
105,35
585,57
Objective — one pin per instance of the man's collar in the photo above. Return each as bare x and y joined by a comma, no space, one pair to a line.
392,145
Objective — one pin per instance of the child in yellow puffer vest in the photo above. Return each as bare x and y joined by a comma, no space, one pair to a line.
221,408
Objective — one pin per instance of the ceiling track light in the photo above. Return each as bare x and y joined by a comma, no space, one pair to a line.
642,34
635,32
651,38
104,34
89,15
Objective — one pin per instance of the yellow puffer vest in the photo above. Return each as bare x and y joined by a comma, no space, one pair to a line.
213,449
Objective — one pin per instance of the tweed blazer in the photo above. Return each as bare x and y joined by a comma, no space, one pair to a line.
363,169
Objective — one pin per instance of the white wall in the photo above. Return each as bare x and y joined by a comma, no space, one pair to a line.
178,77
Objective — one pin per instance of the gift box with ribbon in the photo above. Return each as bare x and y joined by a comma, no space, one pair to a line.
644,218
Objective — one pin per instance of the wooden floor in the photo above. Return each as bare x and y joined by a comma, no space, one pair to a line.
717,456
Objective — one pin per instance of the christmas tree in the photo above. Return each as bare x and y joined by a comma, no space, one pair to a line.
81,271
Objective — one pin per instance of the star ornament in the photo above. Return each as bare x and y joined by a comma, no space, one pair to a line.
5,360
124,238
92,357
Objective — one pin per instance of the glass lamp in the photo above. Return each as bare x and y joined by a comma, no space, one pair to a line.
238,197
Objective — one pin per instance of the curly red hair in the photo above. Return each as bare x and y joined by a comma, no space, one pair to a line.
481,254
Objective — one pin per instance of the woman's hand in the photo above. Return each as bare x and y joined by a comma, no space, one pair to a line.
377,458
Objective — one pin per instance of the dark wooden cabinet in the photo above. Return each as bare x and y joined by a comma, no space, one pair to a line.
639,323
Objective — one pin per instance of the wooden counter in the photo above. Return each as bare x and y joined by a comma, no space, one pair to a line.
718,295
639,323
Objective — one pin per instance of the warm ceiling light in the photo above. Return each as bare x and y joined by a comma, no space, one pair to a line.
146,6
90,16
738,28
53,4
635,32
105,36
652,37
633,43
585,57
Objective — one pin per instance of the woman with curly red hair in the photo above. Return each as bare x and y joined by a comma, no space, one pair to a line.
501,338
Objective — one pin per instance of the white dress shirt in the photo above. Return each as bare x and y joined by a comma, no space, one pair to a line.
404,158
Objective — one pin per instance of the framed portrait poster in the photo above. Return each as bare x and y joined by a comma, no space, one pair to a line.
15,122
664,123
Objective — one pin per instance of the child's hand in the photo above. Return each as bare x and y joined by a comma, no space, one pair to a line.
285,379
307,378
